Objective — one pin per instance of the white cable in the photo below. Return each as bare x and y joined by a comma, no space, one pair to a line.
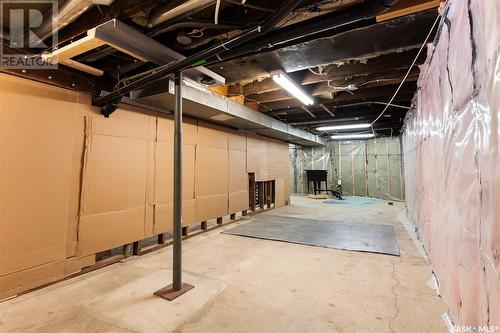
407,73
196,33
311,70
217,7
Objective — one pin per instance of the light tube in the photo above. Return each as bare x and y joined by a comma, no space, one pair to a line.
353,136
342,127
293,88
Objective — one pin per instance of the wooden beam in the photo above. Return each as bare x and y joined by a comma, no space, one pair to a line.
99,14
65,54
337,72
336,85
407,7
61,77
327,110
307,110
368,94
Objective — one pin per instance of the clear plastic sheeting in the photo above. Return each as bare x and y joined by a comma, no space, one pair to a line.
452,164
366,168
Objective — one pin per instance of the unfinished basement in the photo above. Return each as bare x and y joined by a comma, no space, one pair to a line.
250,166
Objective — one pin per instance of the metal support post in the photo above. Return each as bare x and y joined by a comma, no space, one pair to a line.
177,288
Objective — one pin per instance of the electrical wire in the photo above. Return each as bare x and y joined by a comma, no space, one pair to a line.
377,80
407,73
217,8
319,73
196,33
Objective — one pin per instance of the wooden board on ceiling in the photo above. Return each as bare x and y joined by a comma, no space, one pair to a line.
407,7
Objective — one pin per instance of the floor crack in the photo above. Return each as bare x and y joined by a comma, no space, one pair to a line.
396,304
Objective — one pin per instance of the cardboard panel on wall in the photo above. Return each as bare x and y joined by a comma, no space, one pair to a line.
163,220
124,160
125,123
74,265
279,187
105,231
164,171
210,135
211,171
36,172
278,159
115,178
151,172
30,278
149,221
115,174
238,201
238,176
257,157
237,141
210,207
82,109
166,129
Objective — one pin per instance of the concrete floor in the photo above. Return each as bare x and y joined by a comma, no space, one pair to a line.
248,285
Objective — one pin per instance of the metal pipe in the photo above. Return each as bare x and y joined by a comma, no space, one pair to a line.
177,232
166,13
198,59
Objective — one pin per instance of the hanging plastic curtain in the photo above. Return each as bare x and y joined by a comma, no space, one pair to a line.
366,168
452,163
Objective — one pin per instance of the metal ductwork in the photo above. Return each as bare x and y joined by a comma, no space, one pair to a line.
198,59
253,40
200,103
307,30
68,12
166,13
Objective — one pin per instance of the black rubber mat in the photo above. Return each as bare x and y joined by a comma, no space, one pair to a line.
354,236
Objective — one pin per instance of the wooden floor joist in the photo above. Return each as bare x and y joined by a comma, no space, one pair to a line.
407,7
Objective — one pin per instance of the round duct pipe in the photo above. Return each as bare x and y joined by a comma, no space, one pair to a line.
166,13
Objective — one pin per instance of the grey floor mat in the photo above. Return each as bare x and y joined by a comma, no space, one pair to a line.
366,237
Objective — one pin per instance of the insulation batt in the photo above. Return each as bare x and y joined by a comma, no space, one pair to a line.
451,158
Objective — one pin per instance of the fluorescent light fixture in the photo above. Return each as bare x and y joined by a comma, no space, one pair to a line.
293,88
343,127
352,136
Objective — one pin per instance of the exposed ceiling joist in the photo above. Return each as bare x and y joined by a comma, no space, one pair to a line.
307,110
382,38
384,92
335,86
407,7
327,110
336,72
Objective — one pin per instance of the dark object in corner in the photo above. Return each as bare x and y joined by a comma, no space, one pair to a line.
319,176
